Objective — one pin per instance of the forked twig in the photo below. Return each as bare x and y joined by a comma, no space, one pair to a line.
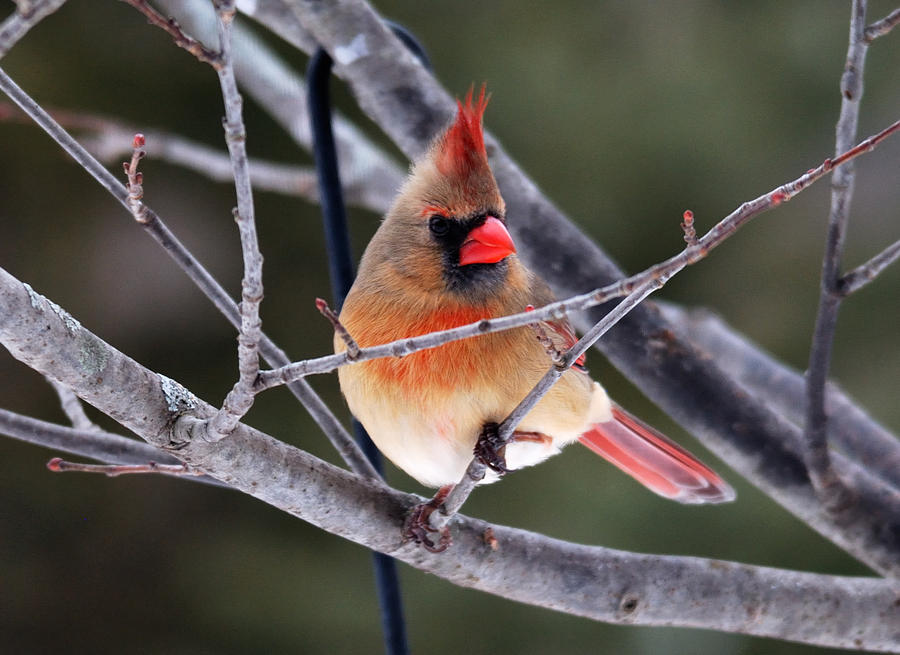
239,400
156,228
860,276
830,489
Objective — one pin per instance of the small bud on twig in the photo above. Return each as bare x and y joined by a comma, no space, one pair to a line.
136,180
687,225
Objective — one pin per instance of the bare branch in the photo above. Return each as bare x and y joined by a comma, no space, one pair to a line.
761,376
883,26
864,273
26,16
71,406
599,583
58,465
830,489
340,438
108,139
93,443
174,30
557,357
240,398
366,171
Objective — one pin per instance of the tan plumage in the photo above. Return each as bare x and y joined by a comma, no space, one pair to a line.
441,259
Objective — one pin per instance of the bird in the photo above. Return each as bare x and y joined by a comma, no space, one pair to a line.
443,257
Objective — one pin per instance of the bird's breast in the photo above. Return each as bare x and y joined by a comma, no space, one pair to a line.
455,365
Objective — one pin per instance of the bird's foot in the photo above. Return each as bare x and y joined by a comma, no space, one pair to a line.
489,449
418,525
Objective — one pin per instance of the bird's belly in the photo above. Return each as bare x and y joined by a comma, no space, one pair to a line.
431,436
433,445
426,410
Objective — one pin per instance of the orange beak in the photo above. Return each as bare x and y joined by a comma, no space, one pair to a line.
487,244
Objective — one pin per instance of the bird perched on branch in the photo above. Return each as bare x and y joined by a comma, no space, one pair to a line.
442,258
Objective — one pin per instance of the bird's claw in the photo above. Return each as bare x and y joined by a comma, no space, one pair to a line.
417,527
489,449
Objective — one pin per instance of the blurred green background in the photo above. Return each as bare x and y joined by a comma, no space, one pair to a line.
625,114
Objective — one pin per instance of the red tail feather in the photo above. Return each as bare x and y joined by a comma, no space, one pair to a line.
655,461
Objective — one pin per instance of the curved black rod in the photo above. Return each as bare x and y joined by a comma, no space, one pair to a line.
411,43
341,271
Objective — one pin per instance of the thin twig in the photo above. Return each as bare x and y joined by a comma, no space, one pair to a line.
23,19
182,40
832,492
96,444
108,139
687,226
882,27
864,273
336,433
339,329
690,255
558,358
369,174
72,407
476,469
135,185
240,398
58,465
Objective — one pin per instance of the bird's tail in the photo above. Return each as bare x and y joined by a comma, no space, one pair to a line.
655,461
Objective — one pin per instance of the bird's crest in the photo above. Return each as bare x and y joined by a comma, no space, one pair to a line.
461,150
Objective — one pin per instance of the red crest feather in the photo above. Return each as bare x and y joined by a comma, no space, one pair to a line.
462,146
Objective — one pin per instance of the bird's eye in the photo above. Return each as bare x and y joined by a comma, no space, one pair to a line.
439,225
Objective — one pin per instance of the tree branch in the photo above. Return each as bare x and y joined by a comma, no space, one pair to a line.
867,443
93,443
364,167
342,441
107,139
27,15
882,27
173,29
865,273
599,583
72,408
830,489
240,398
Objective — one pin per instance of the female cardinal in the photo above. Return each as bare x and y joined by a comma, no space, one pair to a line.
443,258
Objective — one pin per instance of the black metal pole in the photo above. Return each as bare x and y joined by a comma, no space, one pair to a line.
340,265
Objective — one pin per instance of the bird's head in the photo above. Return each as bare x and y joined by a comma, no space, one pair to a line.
447,227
